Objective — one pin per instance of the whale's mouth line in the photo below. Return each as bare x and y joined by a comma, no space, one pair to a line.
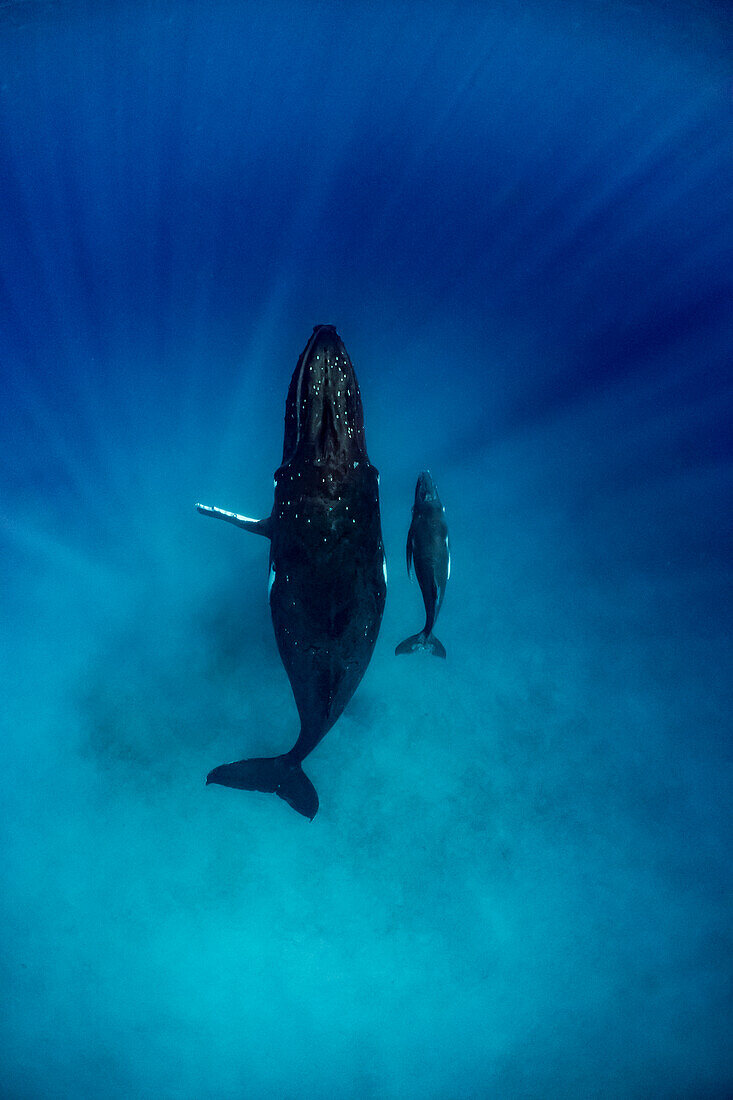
303,360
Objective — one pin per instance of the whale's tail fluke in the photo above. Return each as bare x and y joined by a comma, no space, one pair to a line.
421,641
274,774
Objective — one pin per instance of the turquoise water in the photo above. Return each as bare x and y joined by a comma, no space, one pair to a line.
518,883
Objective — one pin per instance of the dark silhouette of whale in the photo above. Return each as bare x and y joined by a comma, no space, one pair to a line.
328,579
427,547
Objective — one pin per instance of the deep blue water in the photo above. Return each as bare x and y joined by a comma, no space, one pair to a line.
520,219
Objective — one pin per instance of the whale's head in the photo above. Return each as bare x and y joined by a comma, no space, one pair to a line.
426,493
324,419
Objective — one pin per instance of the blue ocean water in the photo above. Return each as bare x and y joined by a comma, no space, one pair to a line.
519,217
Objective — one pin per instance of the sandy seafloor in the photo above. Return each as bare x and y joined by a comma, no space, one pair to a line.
519,880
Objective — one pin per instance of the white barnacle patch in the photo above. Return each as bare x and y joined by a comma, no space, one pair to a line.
384,567
271,579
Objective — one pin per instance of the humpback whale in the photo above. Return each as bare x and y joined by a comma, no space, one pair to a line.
328,578
427,547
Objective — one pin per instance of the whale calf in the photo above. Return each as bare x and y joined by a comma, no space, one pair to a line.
327,580
429,551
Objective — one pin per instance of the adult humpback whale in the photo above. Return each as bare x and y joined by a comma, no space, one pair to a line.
328,579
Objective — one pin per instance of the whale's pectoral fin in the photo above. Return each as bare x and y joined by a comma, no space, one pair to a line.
409,553
427,643
274,775
256,526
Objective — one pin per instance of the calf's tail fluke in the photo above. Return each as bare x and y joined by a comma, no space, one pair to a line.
421,641
278,775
